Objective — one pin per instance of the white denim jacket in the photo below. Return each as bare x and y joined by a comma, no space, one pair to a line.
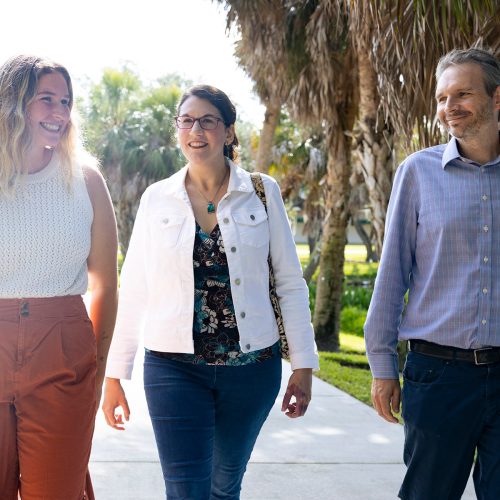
157,279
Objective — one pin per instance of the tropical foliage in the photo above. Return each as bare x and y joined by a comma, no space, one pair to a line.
130,129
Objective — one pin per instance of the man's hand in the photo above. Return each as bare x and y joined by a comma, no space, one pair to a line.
386,396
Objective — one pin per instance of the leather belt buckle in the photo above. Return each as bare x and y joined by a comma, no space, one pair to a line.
477,356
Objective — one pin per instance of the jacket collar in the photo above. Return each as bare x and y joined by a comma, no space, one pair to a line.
239,180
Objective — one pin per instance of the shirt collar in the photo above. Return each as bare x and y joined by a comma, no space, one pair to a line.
451,153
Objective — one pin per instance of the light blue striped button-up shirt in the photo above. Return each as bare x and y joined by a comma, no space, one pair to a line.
442,244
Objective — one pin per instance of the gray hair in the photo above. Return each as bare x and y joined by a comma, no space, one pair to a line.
483,57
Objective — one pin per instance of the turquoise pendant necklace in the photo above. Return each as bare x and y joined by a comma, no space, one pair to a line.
211,203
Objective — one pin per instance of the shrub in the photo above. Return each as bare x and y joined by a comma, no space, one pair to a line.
312,295
352,320
356,296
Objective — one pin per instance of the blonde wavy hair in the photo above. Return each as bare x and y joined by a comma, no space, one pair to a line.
19,78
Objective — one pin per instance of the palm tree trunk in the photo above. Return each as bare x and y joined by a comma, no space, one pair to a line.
329,287
130,197
125,195
313,263
373,144
271,120
371,256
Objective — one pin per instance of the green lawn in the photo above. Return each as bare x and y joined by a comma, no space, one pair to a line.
355,257
348,369
355,253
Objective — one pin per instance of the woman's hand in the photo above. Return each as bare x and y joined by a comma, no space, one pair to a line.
114,397
299,386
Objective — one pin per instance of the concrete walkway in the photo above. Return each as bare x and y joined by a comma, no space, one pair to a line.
341,450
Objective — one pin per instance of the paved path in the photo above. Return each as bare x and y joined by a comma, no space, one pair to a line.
341,450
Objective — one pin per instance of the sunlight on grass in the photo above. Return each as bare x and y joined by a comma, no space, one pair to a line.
355,256
360,269
352,252
352,343
354,381
355,253
348,369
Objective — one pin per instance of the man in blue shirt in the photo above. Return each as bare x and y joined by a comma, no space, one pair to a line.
442,246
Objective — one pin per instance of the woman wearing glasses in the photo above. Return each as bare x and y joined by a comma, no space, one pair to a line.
196,281
57,235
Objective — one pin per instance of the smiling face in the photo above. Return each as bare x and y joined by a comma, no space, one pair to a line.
463,105
48,113
201,146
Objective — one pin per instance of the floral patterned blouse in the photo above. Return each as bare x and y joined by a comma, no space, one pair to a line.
215,333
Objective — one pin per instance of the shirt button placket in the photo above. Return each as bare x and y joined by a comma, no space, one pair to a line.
485,244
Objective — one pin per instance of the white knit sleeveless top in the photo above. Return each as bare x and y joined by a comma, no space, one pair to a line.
45,236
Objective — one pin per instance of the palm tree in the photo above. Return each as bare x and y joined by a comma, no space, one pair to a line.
299,65
130,129
409,38
255,21
373,136
325,92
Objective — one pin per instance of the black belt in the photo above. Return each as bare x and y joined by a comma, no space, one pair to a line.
483,356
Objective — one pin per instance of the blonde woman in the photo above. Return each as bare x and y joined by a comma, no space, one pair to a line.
57,235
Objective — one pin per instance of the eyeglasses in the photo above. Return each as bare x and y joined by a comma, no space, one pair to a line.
207,122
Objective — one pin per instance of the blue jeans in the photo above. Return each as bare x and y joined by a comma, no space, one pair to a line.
206,420
451,410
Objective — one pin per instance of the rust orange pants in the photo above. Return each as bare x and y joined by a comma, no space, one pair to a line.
47,398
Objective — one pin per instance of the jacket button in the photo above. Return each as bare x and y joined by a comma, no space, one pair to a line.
165,221
225,220
247,346
243,314
252,217
233,249
238,282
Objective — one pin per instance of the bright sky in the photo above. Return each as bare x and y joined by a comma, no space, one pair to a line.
155,37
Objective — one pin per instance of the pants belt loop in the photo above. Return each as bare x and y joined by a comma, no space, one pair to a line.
25,309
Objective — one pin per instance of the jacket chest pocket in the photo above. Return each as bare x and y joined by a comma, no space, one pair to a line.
167,228
252,227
